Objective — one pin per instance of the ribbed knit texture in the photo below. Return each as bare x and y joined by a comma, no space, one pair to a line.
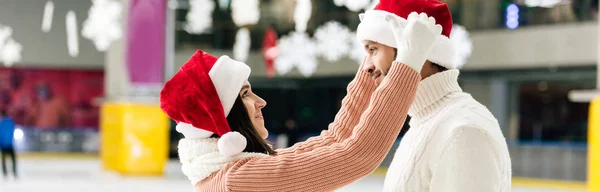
353,146
454,143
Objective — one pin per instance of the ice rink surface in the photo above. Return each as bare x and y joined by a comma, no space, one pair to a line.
70,175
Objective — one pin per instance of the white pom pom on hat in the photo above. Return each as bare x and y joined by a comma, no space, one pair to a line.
231,144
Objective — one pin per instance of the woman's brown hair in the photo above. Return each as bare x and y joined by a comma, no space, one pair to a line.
239,121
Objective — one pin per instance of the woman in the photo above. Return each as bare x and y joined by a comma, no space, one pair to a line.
225,148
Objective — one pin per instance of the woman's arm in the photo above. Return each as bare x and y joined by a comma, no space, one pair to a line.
331,167
354,104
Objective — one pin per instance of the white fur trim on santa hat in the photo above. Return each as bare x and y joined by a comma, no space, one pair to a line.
228,76
231,144
191,132
374,27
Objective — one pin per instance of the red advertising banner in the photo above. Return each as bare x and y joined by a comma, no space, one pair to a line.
51,98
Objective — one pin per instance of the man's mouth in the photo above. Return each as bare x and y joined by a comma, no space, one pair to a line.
375,75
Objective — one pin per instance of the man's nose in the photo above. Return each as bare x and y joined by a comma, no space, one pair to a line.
369,67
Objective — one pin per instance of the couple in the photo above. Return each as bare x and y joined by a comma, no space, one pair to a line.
454,143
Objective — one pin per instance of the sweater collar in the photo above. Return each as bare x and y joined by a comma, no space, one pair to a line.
432,90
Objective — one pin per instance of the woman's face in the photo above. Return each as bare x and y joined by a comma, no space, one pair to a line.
254,104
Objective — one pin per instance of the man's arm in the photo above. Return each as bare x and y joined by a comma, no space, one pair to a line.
470,163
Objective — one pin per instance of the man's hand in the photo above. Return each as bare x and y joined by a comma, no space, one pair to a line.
416,39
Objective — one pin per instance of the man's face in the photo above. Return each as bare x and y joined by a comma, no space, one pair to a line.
379,60
44,92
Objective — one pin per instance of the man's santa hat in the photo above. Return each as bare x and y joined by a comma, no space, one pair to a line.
200,96
374,27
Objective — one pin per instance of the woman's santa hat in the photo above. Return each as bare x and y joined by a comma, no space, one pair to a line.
374,27
200,96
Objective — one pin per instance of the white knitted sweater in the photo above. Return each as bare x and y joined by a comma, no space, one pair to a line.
454,143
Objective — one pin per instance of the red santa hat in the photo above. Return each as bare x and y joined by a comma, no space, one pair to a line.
374,27
200,96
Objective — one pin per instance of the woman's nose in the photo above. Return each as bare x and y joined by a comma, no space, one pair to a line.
261,103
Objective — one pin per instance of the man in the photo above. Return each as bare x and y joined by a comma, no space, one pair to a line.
454,143
50,111
7,131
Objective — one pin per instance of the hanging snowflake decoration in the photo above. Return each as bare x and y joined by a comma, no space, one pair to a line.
357,5
47,18
353,5
339,3
10,50
72,35
332,40
296,50
242,45
357,49
302,14
103,24
10,53
372,5
5,34
199,17
245,12
463,44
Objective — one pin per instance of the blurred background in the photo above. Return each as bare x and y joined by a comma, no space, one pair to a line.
79,76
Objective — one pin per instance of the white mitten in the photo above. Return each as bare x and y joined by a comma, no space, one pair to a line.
415,40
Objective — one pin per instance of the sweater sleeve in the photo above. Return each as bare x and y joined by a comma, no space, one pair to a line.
469,164
331,167
354,104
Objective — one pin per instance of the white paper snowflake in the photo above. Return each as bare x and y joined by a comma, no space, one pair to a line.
103,24
332,40
48,15
242,45
357,49
463,44
10,50
10,53
5,34
199,17
245,12
357,5
302,14
296,50
372,5
72,35
339,3
354,5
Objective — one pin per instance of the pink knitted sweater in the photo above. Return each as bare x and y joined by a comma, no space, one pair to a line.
354,145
